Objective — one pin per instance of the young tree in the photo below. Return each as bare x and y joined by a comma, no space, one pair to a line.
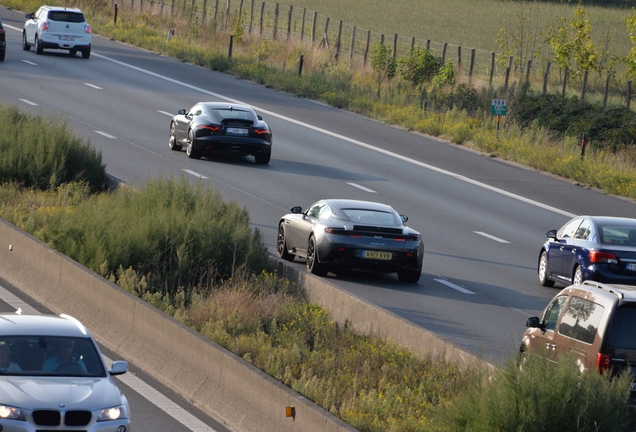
630,60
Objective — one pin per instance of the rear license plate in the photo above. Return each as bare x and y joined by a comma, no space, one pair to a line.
236,131
67,38
377,255
631,266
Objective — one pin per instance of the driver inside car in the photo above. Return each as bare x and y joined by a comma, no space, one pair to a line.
65,356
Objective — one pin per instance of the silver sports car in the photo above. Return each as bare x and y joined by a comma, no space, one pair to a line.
340,234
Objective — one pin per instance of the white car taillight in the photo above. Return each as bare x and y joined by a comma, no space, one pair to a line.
87,29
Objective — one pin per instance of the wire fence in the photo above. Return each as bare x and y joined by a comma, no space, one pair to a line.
347,42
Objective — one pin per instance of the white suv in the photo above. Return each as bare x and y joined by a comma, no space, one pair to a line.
53,27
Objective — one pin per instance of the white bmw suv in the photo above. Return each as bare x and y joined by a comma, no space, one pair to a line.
54,27
53,378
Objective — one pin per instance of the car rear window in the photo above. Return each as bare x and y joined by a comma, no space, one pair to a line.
624,328
618,234
371,217
65,16
581,319
234,114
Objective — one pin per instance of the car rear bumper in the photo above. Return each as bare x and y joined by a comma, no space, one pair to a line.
231,145
54,42
605,276
352,259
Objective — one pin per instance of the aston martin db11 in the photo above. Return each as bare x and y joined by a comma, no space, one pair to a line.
341,234
221,127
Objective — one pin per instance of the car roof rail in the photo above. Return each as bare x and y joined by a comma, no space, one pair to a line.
618,293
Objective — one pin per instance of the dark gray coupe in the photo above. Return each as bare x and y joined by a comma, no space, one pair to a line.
341,234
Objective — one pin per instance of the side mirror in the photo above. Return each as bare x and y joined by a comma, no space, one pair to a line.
259,117
296,210
533,322
29,16
404,218
119,367
551,234
181,112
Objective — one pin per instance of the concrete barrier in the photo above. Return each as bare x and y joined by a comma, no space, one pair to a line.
212,378
220,383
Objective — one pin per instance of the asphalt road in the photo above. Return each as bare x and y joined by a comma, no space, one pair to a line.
482,220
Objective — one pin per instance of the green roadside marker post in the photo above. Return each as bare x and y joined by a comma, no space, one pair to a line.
498,108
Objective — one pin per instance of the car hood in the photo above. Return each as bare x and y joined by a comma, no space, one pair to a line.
55,392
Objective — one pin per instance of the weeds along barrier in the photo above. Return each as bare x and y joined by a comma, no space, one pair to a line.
348,43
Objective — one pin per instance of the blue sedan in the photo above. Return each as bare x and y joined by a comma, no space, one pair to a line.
598,248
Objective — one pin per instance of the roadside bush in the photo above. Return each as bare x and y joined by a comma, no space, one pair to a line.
38,153
542,398
419,66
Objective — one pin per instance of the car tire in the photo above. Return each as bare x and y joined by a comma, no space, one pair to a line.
86,53
172,141
38,45
577,275
409,275
2,54
262,159
25,44
190,150
543,271
281,244
313,264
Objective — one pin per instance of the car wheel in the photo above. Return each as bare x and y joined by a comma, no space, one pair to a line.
38,45
2,54
313,264
190,150
409,275
543,271
25,44
73,52
577,278
86,53
262,159
281,244
172,141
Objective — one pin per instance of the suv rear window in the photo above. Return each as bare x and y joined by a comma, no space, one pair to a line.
64,16
581,319
624,328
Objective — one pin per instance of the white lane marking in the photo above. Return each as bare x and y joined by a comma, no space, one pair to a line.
156,398
105,134
30,62
196,174
166,113
361,187
344,138
94,86
26,101
453,286
492,237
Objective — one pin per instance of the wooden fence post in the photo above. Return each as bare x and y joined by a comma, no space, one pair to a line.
472,64
629,94
395,39
302,26
444,53
584,85
607,83
546,77
565,80
353,40
338,40
216,8
313,28
240,12
249,31
459,58
327,27
508,70
428,44
276,11
528,67
289,21
205,8
261,19
227,13
492,67
413,42
366,48
382,39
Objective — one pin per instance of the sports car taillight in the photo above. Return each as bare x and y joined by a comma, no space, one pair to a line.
212,128
603,257
337,231
261,131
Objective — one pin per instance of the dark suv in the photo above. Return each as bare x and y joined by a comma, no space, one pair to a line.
593,321
3,41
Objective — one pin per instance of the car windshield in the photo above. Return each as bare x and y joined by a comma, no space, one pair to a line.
50,356
618,234
624,328
66,16
371,217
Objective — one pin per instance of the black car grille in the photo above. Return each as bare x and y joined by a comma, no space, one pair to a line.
377,230
53,418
